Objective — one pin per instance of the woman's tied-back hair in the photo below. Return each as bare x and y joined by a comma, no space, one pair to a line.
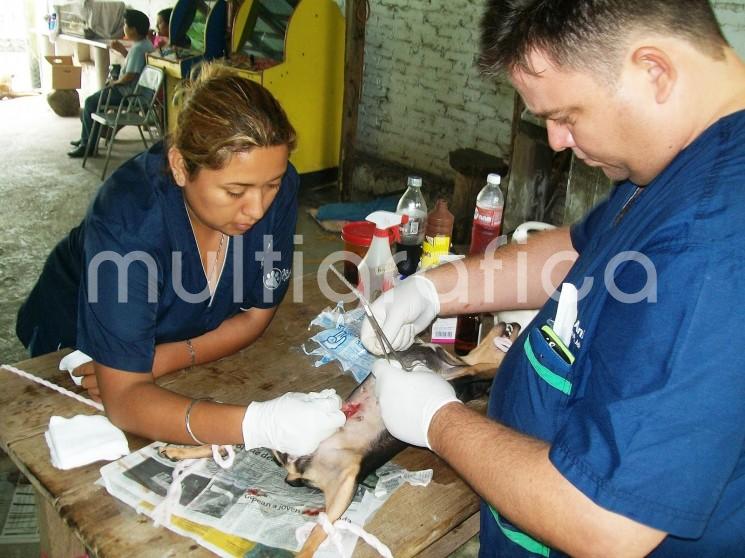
588,34
223,113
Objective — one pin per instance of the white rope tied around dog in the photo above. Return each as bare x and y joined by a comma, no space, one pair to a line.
162,512
224,462
332,530
54,387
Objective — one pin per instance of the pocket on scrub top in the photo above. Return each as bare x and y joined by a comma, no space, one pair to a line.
513,534
552,371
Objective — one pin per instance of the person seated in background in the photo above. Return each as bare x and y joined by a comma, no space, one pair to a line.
162,22
136,28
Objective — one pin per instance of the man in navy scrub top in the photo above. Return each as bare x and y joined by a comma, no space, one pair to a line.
182,259
616,424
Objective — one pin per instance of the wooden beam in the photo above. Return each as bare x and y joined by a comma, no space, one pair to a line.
357,13
517,111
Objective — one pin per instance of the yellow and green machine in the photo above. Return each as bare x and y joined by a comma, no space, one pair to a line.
294,48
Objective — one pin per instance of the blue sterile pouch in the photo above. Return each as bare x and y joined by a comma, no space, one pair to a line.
340,341
335,317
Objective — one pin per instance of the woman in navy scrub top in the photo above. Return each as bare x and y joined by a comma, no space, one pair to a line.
181,259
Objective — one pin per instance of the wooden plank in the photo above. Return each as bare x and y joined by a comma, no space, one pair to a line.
26,406
32,458
112,529
56,539
454,539
416,517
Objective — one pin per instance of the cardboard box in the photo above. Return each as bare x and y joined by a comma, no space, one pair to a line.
65,75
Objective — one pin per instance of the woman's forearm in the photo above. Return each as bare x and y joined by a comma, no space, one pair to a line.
137,405
231,336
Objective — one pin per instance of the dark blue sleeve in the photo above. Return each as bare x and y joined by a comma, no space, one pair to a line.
274,251
117,303
601,217
660,426
582,231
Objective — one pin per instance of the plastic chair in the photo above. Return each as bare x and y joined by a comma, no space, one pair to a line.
140,108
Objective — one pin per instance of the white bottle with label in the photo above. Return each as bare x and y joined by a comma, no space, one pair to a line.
377,270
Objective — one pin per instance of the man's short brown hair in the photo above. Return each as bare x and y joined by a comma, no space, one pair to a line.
588,34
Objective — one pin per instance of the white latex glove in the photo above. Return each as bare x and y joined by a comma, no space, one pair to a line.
409,400
295,423
73,361
403,313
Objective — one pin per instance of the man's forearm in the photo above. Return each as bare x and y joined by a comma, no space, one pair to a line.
126,78
515,276
120,48
513,473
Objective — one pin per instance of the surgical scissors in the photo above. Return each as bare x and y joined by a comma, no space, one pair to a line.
388,350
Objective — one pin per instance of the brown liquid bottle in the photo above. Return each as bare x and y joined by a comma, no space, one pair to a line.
467,333
438,233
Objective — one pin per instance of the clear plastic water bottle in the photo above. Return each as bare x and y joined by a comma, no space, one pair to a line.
487,219
53,25
409,246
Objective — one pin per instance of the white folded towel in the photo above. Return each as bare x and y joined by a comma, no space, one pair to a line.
84,439
71,362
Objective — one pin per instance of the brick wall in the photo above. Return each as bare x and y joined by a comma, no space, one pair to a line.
732,17
423,96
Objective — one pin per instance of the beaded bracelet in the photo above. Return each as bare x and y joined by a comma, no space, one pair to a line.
193,402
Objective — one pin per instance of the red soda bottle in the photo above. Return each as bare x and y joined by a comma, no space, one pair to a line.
487,224
487,219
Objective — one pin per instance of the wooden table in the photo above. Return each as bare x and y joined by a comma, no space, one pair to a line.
429,522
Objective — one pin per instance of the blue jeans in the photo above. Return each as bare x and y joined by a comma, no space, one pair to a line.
89,107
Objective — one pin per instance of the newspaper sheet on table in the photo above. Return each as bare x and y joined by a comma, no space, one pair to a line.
239,511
